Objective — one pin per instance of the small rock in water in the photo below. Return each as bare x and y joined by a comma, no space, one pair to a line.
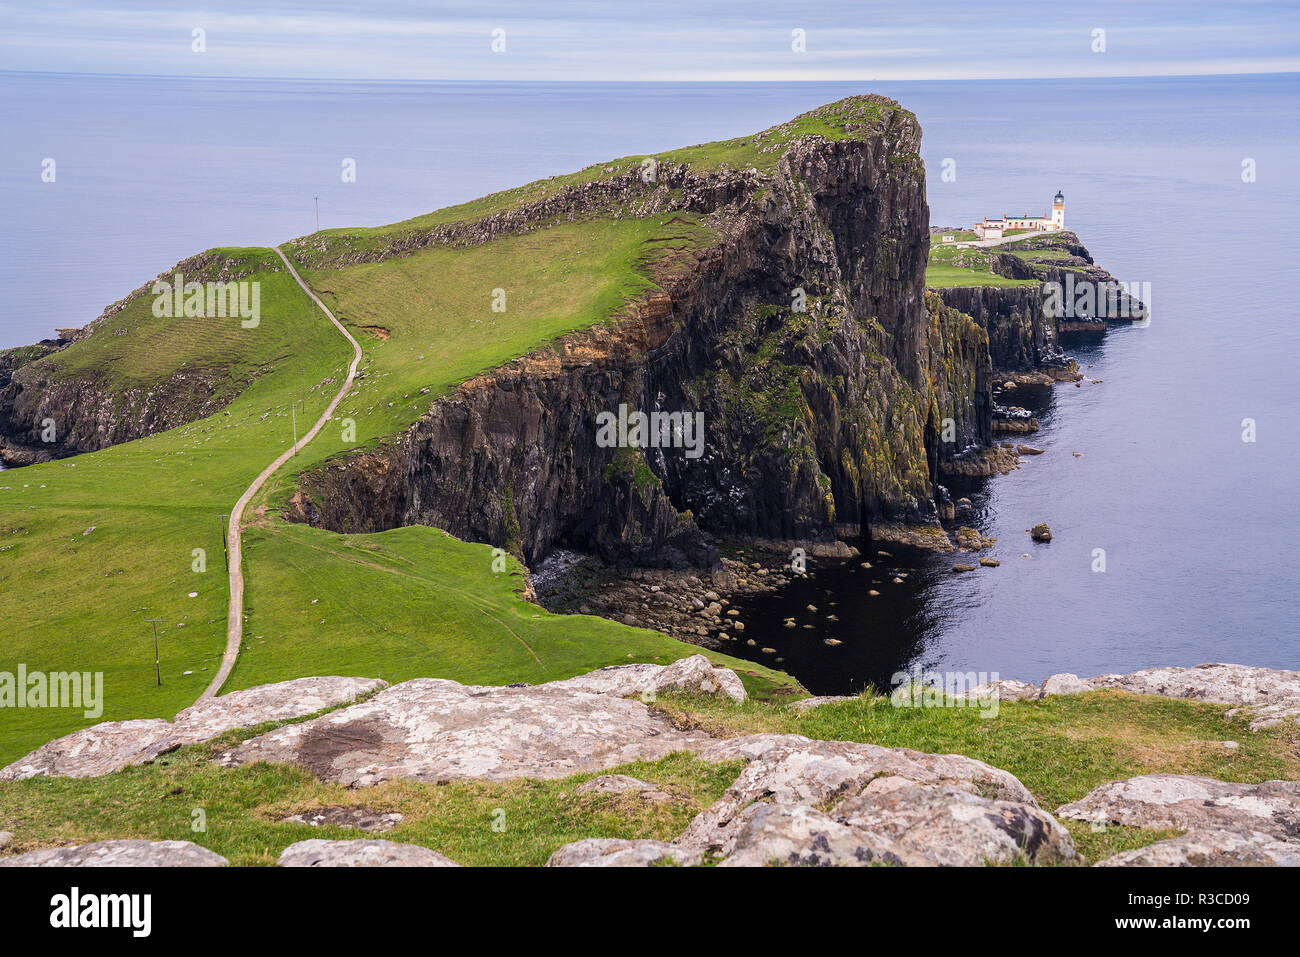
963,568
990,562
873,592
897,580
832,642
812,607
1041,533
768,651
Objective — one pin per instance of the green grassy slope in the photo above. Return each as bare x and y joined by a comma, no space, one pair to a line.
426,324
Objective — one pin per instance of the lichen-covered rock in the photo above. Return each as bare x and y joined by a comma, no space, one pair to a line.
100,749
796,835
807,704
1268,695
612,852
360,853
1186,802
1005,689
624,784
363,819
432,729
950,825
113,745
695,674
1064,683
792,770
130,853
1211,848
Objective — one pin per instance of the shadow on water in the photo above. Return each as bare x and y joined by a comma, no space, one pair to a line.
878,634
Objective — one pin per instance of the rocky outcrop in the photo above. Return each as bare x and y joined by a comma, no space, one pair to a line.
1211,848
113,745
614,852
432,729
360,818
1181,801
812,803
360,853
120,854
614,785
830,406
1267,695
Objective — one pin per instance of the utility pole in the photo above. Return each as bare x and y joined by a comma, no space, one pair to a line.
293,409
156,667
317,199
225,545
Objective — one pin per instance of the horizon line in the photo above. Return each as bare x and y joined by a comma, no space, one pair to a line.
698,80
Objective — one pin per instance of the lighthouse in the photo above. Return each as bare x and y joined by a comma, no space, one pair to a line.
1058,211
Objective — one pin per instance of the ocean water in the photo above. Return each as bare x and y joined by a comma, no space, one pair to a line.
1197,526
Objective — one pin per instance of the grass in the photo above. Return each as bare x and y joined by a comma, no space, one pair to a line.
951,266
1060,748
74,601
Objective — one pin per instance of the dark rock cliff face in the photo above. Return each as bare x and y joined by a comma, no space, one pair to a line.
1020,338
830,405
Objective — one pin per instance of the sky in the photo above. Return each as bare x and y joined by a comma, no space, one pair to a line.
663,40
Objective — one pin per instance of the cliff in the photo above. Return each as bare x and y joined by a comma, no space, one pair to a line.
802,335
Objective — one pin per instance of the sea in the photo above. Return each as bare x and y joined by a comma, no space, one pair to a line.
1176,461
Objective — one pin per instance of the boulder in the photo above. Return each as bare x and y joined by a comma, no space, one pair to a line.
1211,848
361,818
796,835
695,674
612,852
431,729
1041,533
360,853
1064,683
1186,802
624,784
120,854
113,745
793,770
807,704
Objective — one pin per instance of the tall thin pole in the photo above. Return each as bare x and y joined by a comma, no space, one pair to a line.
156,667
225,545
293,408
317,199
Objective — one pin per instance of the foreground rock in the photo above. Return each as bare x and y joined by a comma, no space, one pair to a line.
618,784
805,802
1212,848
363,819
801,801
1181,801
695,675
120,854
1271,696
360,853
436,730
612,852
113,745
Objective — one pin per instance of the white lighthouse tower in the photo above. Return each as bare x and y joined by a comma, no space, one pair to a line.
1058,211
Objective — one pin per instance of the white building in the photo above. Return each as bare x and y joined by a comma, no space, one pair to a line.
997,228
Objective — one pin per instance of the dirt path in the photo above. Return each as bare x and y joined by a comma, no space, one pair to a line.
235,615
